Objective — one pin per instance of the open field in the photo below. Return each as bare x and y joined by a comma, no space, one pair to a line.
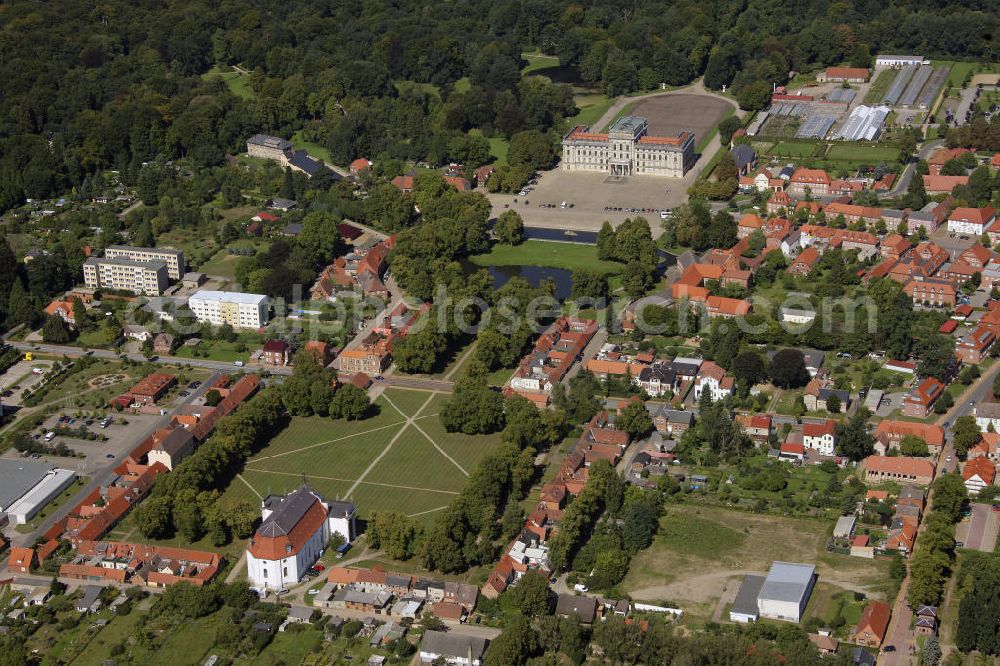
399,460
669,115
569,256
592,106
794,149
314,149
498,147
862,152
699,549
538,61
237,83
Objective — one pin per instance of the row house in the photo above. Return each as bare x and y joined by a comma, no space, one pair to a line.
853,213
555,351
932,292
894,246
890,433
813,182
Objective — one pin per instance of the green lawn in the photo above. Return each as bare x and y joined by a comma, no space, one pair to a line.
538,61
860,152
569,256
416,476
592,106
316,150
429,88
216,350
880,86
237,83
498,147
794,149
409,402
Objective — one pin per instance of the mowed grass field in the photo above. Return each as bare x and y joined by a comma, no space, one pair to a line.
860,152
384,463
700,549
794,149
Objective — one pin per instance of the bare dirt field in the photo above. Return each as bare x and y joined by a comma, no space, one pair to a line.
670,115
701,552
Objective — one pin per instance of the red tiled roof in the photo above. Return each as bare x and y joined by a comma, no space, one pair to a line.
875,618
981,467
944,183
847,72
900,465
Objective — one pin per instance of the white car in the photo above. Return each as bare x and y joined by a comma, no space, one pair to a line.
580,587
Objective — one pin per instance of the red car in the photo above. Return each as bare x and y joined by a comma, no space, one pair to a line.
319,567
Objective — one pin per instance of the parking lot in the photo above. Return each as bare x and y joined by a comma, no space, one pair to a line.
122,438
22,377
979,531
592,196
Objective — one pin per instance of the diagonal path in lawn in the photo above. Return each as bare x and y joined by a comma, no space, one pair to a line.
413,422
329,441
371,466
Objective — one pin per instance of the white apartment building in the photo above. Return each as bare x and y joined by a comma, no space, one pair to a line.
139,277
174,259
237,309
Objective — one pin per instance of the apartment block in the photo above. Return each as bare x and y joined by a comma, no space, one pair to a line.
174,259
237,309
140,277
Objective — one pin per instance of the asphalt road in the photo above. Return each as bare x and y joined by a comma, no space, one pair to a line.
903,181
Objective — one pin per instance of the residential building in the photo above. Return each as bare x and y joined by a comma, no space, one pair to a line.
295,529
237,309
627,150
972,347
900,469
978,473
174,259
755,426
370,360
150,388
987,414
712,378
927,620
452,648
972,221
170,446
122,563
555,351
62,309
269,147
820,436
932,292
748,224
943,184
941,156
889,433
139,277
804,262
814,182
581,608
275,352
921,398
21,560
873,625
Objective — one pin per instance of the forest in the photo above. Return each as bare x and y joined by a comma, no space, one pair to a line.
90,87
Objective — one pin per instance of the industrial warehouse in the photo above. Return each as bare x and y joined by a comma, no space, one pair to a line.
27,486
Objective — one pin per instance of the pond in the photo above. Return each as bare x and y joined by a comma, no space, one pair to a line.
533,274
